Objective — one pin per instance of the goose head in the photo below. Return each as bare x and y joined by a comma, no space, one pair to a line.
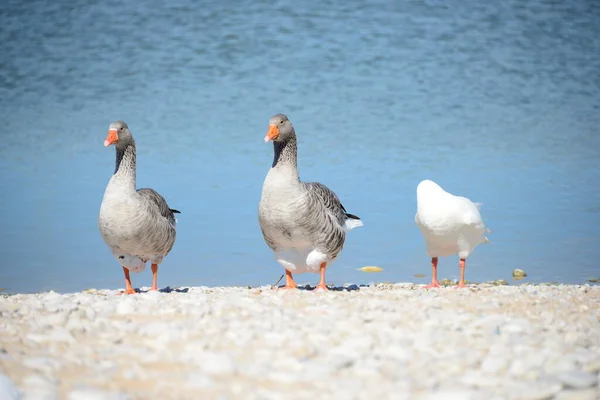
280,129
118,134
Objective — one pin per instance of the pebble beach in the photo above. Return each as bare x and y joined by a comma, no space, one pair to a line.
388,341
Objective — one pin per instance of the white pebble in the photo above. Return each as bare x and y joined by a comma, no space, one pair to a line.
94,394
539,391
126,306
199,381
578,379
216,363
55,335
152,296
8,390
451,394
41,394
559,364
585,394
493,364
44,364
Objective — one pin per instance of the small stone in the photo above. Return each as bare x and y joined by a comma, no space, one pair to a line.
95,394
41,394
56,335
585,394
451,394
356,345
43,364
199,381
90,314
559,365
38,380
519,273
38,387
76,325
518,368
152,295
493,365
8,390
216,363
539,391
126,306
479,379
593,366
578,379
490,325
52,320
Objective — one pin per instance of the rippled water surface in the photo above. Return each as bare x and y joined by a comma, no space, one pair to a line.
495,101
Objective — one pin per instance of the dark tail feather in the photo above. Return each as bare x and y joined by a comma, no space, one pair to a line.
175,211
352,216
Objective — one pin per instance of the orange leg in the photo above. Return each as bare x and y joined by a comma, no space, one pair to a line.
434,280
321,286
289,281
461,282
128,288
154,275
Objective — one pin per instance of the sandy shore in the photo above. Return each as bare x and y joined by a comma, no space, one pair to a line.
385,341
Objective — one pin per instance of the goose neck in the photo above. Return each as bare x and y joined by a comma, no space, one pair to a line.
125,164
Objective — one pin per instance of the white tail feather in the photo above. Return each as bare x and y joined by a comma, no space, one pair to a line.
352,223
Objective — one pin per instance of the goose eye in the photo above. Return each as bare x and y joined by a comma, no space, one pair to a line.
121,128
281,122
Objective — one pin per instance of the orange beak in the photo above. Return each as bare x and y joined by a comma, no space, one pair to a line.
112,137
272,133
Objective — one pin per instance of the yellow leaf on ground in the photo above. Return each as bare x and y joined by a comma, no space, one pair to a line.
370,269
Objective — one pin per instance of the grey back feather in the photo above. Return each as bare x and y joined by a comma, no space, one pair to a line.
320,193
153,197
326,223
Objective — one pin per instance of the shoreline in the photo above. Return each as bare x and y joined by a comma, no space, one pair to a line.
531,341
444,283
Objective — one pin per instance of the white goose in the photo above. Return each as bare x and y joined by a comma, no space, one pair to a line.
137,225
450,225
304,223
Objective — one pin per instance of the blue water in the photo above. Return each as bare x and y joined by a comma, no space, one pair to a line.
498,101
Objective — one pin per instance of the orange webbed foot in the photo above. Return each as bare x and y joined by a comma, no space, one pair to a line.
434,282
289,282
128,288
321,288
288,287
